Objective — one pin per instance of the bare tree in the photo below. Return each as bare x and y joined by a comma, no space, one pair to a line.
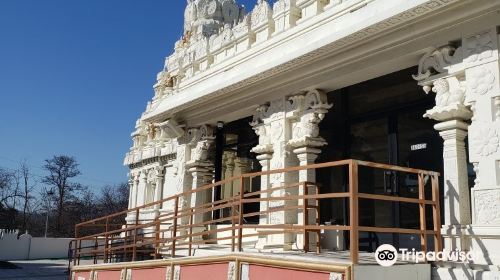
7,191
8,196
61,169
113,198
25,188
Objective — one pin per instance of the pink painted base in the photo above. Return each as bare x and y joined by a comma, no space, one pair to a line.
85,275
109,275
272,273
205,272
149,274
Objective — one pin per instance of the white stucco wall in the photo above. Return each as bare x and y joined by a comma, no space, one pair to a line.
49,248
12,247
29,248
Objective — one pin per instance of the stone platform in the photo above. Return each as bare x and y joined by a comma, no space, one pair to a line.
217,263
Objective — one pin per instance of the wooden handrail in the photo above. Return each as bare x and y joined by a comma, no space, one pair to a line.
177,228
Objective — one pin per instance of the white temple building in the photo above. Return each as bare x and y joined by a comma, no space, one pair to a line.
408,83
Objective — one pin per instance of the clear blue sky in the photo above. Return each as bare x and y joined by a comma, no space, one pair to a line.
76,74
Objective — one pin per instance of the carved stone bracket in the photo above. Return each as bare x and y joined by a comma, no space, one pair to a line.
450,98
309,110
171,129
200,140
437,61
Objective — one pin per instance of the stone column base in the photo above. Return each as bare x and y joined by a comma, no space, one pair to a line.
484,244
464,272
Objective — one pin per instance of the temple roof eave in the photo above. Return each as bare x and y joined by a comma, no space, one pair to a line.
288,52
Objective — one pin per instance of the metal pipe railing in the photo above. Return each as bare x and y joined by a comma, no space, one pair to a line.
166,233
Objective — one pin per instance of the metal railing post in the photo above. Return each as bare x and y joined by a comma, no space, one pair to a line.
75,248
353,211
174,230
305,215
240,220
423,222
79,250
190,238
157,237
106,241
125,242
436,214
318,221
134,248
233,225
96,247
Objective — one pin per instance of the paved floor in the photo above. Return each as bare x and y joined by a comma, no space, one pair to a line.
39,269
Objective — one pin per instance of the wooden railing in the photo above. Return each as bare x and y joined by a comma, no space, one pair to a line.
169,233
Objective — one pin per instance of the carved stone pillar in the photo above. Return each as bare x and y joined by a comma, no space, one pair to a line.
243,166
265,154
136,190
202,176
306,144
457,212
264,151
229,165
452,115
307,156
141,190
286,126
481,59
200,166
131,184
160,176
473,70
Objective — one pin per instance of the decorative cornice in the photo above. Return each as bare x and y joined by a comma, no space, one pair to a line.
160,159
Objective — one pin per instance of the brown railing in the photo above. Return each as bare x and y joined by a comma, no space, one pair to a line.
152,232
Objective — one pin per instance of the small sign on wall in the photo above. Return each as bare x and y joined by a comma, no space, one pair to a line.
417,147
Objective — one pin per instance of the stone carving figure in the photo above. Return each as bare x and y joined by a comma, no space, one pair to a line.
450,98
308,126
445,95
190,16
200,152
264,135
151,132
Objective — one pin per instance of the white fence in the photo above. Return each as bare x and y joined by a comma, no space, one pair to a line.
26,247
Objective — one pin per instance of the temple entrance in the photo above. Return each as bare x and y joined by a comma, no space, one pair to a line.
381,120
236,140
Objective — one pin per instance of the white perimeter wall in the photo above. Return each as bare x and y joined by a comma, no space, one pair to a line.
28,248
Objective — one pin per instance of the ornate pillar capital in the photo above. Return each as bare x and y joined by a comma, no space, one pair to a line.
263,132
309,110
200,141
159,171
